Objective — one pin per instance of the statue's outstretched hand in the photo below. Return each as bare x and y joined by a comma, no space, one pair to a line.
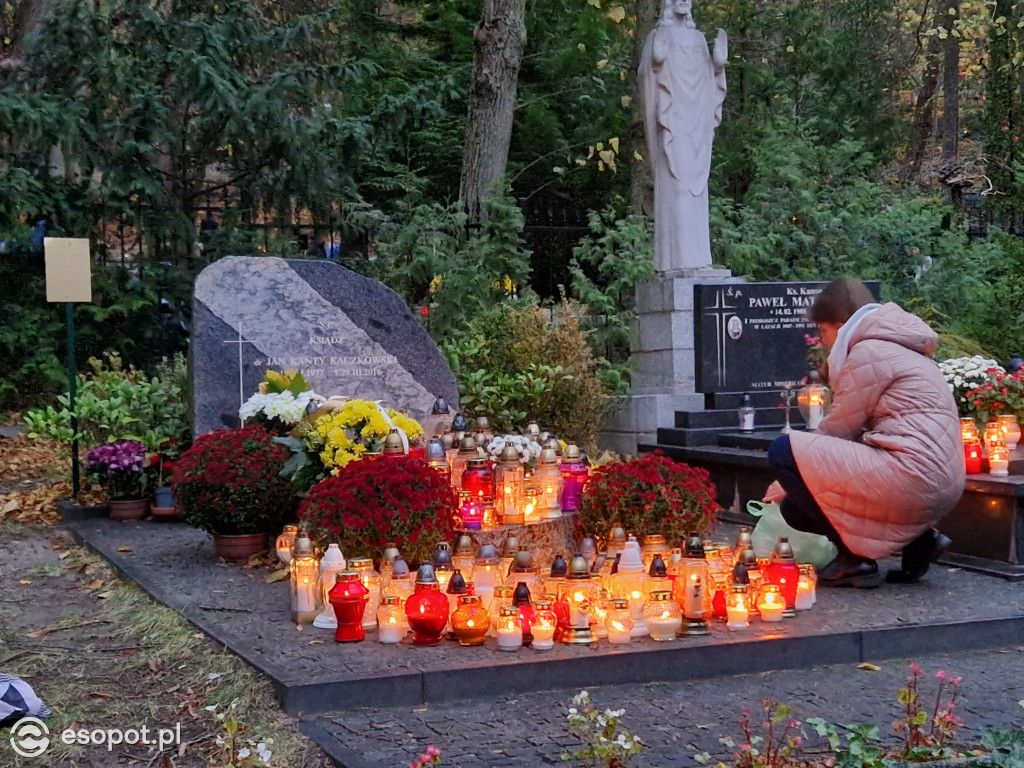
721,53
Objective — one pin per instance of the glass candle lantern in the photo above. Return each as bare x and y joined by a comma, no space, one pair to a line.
456,588
548,477
784,571
813,400
619,622
482,433
348,598
630,582
662,616
470,621
426,610
558,573
770,604
502,599
523,601
616,539
575,474
437,459
509,477
478,480
442,562
969,429
464,558
998,460
737,608
508,556
599,612
402,583
804,591
391,623
509,630
544,625
387,566
485,572
371,580
972,457
1011,430
305,580
332,563
472,513
467,450
993,432
284,542
532,512
523,570
532,432
808,572
693,591
577,594
657,577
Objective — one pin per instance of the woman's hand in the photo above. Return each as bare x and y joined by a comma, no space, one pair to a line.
775,493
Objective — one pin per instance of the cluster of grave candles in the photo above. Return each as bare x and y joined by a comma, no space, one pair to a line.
471,594
991,448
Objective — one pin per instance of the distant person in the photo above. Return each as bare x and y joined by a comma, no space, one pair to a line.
886,463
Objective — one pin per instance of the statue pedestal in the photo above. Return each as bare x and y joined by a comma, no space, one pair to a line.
545,538
663,359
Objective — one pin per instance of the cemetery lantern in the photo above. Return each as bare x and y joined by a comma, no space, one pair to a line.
1010,429
305,573
578,593
509,479
470,621
998,459
442,564
662,616
371,580
478,481
391,623
630,582
692,588
770,603
485,572
467,451
545,622
284,543
574,476
332,563
394,445
618,622
510,630
813,400
427,609
972,456
969,429
548,477
737,610
784,571
348,598
437,459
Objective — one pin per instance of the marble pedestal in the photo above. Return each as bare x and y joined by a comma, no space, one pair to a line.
663,359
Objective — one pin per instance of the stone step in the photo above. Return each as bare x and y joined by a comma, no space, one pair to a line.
729,419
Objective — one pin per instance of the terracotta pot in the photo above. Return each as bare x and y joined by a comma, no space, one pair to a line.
240,547
164,513
128,509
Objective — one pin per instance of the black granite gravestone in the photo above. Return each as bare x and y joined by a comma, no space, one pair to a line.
347,334
750,337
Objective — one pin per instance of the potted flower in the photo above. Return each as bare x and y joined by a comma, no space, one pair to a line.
1002,394
229,484
369,504
649,495
119,467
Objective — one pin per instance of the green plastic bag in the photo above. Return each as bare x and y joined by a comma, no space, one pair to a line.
771,526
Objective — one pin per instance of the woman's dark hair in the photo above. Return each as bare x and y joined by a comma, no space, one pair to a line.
839,300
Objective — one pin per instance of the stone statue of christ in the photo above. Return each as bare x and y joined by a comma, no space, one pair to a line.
683,87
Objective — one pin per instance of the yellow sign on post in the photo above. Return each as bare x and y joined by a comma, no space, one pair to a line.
68,273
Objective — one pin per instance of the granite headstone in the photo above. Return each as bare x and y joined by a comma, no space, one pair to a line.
750,336
349,335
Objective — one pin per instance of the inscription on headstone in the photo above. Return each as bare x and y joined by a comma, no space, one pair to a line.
750,336
348,335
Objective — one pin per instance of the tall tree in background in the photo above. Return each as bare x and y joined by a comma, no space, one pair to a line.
498,41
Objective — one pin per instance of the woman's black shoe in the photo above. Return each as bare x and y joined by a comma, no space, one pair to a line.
917,556
849,570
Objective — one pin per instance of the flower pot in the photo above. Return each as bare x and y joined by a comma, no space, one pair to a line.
164,513
128,509
240,547
163,497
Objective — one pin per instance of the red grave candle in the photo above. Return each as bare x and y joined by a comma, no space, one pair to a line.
348,598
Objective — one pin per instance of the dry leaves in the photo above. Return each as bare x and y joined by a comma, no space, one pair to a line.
25,458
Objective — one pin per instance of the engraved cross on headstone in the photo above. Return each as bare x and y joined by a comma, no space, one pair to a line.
240,341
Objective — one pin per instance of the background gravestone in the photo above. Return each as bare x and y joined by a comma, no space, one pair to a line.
348,335
750,336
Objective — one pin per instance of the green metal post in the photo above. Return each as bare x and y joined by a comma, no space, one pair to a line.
69,313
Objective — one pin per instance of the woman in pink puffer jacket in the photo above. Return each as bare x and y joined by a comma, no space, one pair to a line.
886,464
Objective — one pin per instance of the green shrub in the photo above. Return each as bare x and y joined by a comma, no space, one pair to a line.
515,362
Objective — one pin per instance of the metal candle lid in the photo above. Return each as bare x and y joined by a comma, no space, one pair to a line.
487,555
460,423
390,600
509,455
783,552
302,547
435,452
464,546
440,407
559,568
344,577
579,568
399,568
554,444
292,529
442,554
739,574
467,447
694,546
571,453
393,442
523,562
457,583
511,546
447,440
547,457
658,569
744,540
532,431
426,575
749,559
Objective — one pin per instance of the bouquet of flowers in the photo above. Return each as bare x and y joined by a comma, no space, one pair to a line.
366,504
817,355
281,402
528,450
652,494
967,373
118,467
1000,395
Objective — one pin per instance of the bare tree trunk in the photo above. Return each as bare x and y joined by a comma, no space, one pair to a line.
641,182
949,126
498,41
921,129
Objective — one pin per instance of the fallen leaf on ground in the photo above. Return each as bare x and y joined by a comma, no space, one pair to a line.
124,549
316,642
277,576
25,581
95,585
63,555
98,695
104,595
869,667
